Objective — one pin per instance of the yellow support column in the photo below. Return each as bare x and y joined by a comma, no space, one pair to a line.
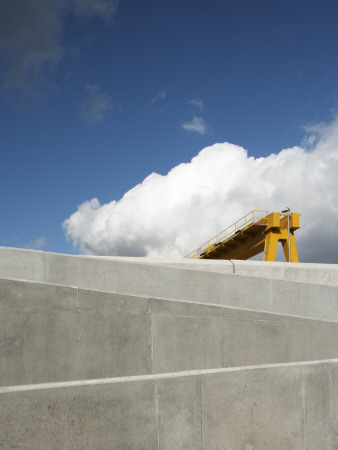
276,231
271,242
293,248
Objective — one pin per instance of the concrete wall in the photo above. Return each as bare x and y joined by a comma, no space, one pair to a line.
55,333
273,407
173,280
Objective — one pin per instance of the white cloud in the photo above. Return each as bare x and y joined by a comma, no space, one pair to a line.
197,102
31,35
38,244
197,125
161,95
170,215
96,104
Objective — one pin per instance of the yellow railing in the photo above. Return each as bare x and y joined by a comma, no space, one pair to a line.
251,218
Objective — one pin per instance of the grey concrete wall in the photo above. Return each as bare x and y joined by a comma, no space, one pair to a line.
325,274
55,333
180,281
291,407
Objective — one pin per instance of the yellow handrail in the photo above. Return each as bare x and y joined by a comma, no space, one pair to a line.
241,224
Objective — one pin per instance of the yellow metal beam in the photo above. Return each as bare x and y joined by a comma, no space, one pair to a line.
254,233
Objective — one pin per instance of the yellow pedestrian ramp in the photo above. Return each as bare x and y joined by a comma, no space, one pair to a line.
254,233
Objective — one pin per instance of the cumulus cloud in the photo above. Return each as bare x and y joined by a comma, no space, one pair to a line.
31,35
197,102
197,125
95,105
168,216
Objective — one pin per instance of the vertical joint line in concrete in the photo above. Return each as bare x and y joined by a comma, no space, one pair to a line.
233,266
220,329
332,406
304,410
201,410
157,416
152,342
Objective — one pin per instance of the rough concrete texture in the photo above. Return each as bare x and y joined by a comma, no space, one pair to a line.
144,321
179,280
266,407
56,333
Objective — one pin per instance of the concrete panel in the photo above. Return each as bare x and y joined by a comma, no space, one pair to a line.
179,418
185,343
23,264
88,299
112,344
263,269
317,406
255,293
87,273
247,342
301,341
99,417
53,333
253,409
36,295
290,406
37,345
161,306
148,278
325,274
219,266
156,281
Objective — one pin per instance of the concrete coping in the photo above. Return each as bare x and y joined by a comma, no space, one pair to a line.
314,273
80,383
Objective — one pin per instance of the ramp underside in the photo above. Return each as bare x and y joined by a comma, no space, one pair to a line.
244,244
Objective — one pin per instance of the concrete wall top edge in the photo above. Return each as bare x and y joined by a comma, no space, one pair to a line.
141,259
284,264
189,373
183,261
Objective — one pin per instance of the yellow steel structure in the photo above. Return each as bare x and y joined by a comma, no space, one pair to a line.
254,233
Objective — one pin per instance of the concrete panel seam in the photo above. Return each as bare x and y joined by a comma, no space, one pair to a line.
152,341
157,416
201,408
220,340
332,405
304,409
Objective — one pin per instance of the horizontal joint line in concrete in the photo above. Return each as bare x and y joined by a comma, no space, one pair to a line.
80,383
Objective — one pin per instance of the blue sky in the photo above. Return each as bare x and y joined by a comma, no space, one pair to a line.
96,95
